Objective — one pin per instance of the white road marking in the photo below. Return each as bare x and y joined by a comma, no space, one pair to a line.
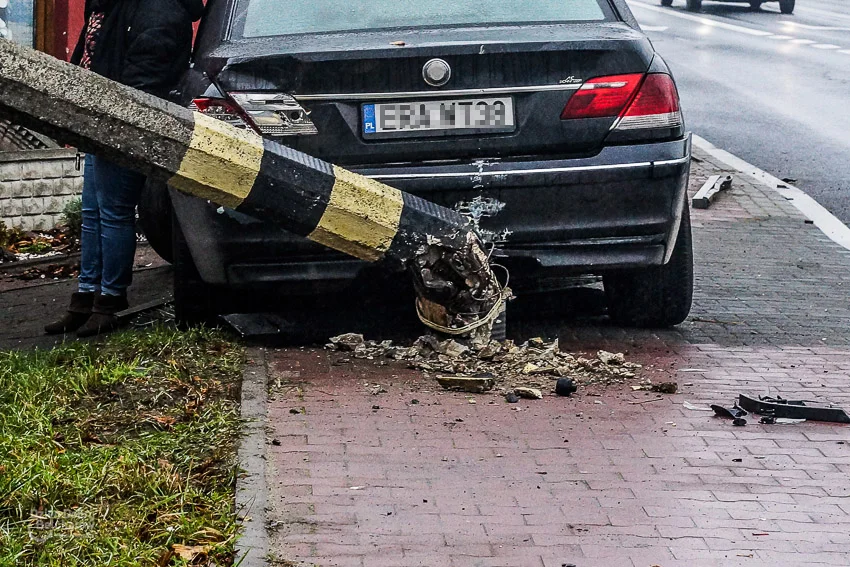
702,20
803,41
828,223
844,51
777,37
792,25
825,46
654,28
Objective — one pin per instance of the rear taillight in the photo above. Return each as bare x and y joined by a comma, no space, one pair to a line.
270,114
221,109
640,102
602,97
655,106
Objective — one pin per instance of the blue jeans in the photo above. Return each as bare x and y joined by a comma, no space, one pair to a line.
110,196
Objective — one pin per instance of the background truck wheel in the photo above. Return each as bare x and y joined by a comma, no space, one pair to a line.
659,296
667,2
195,302
155,219
693,5
786,6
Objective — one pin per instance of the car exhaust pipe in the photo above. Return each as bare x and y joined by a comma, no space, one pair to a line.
457,290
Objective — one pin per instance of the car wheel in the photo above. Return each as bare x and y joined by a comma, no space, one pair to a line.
786,6
659,296
667,3
155,218
194,300
693,5
755,6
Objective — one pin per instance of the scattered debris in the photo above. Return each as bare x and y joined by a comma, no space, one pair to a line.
739,422
665,388
472,384
641,402
511,398
734,413
662,388
787,421
611,358
792,409
529,393
535,364
347,342
565,387
690,406
709,191
737,460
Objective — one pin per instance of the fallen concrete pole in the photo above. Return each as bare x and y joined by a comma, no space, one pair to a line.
235,168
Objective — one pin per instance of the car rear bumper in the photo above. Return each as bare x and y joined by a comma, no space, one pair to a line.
615,210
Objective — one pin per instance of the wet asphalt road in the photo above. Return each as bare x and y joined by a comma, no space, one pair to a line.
773,89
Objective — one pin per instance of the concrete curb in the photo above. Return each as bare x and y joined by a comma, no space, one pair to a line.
251,490
828,223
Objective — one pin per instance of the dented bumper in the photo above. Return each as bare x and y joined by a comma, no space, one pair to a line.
614,210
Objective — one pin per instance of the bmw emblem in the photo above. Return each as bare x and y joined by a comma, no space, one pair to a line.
436,72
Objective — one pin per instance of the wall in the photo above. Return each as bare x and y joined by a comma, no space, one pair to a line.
35,185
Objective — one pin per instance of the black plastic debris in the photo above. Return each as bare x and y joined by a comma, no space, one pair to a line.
565,387
739,422
792,409
734,413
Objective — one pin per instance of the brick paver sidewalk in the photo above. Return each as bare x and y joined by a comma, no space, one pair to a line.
365,480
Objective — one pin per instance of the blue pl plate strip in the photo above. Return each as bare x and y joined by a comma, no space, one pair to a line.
369,126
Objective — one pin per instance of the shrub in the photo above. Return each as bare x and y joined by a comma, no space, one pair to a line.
72,215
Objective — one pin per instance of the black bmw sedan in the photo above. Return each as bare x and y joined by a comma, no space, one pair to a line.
553,124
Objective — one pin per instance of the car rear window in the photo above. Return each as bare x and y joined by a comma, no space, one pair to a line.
264,18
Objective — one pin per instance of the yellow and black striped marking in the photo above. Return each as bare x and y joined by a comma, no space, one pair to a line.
328,204
213,160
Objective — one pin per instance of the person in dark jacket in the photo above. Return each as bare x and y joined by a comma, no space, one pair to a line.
144,44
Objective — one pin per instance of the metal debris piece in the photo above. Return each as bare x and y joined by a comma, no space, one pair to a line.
792,409
709,191
694,407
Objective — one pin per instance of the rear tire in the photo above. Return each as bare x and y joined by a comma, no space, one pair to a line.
755,5
693,5
155,218
667,3
786,6
659,296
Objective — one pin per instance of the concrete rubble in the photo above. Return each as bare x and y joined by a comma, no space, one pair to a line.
525,370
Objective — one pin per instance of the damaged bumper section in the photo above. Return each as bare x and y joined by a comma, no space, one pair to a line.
615,210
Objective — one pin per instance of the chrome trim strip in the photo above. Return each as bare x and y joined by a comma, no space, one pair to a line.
436,94
468,174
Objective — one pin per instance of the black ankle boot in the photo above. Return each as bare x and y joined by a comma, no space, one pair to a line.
77,314
103,317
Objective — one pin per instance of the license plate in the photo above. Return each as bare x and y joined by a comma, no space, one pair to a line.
495,114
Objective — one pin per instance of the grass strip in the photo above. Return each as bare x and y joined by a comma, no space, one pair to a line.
120,453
